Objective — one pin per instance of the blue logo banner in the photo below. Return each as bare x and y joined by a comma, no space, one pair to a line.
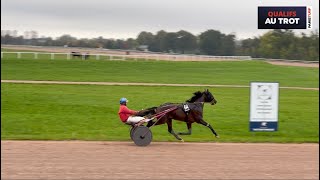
263,126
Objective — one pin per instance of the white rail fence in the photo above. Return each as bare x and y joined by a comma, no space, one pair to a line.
35,55
286,60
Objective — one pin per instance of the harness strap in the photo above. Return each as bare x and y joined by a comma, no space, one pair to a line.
164,112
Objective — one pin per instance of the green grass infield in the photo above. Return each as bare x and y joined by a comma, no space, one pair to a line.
221,73
89,112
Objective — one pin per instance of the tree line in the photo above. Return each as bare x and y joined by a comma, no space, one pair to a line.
276,44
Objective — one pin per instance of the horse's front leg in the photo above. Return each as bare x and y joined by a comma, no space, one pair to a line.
209,126
169,123
189,130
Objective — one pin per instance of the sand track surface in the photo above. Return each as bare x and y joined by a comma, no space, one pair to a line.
160,160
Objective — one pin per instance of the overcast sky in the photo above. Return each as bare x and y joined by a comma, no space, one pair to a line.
127,18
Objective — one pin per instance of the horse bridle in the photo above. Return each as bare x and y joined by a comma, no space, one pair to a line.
211,102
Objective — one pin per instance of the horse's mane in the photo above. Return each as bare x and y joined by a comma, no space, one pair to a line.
197,95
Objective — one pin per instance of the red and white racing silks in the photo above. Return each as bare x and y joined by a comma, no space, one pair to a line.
125,112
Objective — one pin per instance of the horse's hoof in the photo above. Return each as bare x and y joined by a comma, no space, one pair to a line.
182,140
217,136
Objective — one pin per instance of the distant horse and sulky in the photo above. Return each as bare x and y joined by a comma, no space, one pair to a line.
80,55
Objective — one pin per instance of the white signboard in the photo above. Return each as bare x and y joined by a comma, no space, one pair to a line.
264,101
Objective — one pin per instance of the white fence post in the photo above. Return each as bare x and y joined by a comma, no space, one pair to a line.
35,55
1,55
18,55
68,56
52,55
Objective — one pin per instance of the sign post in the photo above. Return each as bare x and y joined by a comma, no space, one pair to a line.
264,101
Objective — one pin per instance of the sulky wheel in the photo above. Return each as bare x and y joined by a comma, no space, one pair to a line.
142,136
131,132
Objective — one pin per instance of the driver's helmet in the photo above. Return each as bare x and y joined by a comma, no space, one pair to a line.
123,100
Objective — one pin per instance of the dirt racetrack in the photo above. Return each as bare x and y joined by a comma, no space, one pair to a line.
160,160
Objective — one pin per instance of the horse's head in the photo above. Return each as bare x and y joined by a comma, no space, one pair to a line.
208,97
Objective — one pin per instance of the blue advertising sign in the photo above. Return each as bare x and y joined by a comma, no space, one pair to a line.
280,17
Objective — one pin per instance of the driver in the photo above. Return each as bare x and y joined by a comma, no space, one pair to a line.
127,115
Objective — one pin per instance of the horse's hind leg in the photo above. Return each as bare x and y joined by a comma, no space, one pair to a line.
209,126
189,130
169,123
150,123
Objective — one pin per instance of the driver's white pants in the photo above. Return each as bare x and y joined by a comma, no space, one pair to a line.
135,119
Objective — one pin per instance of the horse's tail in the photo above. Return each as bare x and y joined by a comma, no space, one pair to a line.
147,112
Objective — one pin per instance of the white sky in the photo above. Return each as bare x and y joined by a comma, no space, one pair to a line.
123,19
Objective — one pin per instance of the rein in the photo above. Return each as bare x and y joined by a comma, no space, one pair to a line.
161,114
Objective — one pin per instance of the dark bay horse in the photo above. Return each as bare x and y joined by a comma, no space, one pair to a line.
189,112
